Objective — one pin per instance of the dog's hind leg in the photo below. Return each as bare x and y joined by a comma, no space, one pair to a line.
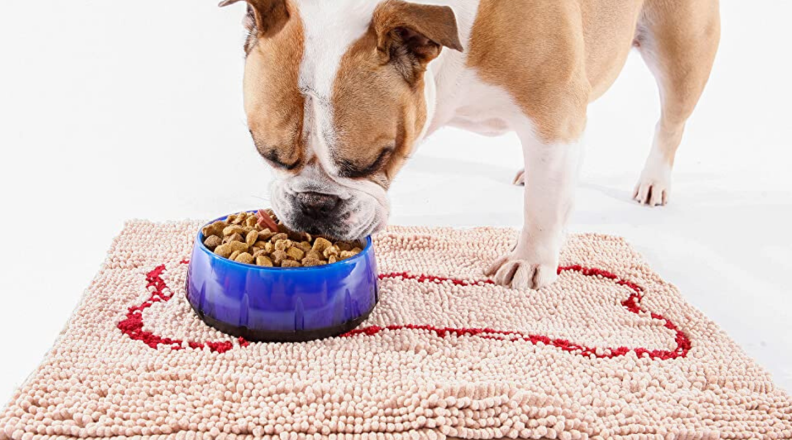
678,41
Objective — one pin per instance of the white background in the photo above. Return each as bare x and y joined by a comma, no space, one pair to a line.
115,110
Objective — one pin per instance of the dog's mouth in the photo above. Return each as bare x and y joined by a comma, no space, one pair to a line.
337,212
345,226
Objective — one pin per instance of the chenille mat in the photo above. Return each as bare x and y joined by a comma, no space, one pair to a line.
610,351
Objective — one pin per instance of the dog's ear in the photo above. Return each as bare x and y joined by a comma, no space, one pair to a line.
269,16
411,35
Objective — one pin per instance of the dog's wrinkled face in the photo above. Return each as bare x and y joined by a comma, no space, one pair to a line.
336,100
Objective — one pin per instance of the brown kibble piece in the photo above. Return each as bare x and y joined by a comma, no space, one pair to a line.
332,259
223,251
313,255
251,238
321,244
212,242
346,254
244,258
264,261
229,248
344,246
235,237
215,228
234,256
277,237
312,262
291,263
282,245
266,234
234,229
305,246
279,257
331,251
295,253
251,221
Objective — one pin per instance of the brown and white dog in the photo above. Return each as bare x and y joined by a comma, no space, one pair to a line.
339,93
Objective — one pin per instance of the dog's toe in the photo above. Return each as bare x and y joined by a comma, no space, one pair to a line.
652,193
520,274
519,179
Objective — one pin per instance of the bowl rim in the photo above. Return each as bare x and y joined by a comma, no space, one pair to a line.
348,262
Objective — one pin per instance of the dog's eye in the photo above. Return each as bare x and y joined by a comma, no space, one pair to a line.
275,158
351,170
272,157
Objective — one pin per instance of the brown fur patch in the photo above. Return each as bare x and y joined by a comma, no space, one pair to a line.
554,57
273,101
537,54
377,114
411,35
378,97
608,32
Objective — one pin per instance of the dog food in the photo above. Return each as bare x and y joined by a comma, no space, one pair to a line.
263,240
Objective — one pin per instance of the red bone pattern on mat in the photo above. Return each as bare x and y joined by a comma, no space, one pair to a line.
132,326
632,304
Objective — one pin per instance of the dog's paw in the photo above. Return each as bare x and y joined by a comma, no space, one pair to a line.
652,191
654,186
519,179
521,272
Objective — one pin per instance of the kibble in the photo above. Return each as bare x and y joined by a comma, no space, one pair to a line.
295,253
321,244
212,242
251,238
263,240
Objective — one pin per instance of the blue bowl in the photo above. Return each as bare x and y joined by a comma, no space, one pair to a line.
271,304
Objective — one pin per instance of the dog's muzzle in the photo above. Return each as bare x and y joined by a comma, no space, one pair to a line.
322,207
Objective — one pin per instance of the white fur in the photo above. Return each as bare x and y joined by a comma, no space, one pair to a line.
330,27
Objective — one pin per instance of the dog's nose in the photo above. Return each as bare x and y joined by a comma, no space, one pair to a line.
316,204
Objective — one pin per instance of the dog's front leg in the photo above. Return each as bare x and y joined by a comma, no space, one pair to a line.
550,178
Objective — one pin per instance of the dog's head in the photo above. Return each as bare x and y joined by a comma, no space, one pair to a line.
336,99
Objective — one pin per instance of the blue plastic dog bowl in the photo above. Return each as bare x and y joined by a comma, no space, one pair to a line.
266,304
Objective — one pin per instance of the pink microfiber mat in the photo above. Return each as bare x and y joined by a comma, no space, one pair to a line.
609,351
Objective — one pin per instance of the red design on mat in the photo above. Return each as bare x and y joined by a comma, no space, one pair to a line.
132,326
632,304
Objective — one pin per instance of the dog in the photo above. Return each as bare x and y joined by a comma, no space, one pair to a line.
339,93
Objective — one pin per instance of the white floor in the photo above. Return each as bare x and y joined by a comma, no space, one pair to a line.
114,112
